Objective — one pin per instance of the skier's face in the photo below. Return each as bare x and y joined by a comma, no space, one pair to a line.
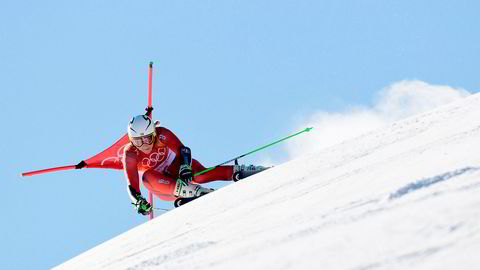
144,144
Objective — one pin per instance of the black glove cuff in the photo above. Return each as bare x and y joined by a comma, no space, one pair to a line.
186,155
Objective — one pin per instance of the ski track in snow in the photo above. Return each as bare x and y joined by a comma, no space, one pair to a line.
174,255
424,183
403,197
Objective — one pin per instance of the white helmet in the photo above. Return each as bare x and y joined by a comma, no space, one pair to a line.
140,126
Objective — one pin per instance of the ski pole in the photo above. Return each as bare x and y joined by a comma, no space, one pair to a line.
253,151
154,208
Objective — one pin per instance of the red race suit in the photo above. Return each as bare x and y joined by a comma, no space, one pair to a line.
162,164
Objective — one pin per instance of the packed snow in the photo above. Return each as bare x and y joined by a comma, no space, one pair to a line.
406,196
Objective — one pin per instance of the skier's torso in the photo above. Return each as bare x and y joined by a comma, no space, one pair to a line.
159,159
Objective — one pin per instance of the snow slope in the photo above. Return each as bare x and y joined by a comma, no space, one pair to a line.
403,197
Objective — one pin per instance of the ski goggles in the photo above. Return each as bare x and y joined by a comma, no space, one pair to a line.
139,141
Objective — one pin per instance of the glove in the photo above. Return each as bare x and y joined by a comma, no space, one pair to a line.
186,174
142,206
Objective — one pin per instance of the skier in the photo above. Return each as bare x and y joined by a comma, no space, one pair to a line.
168,166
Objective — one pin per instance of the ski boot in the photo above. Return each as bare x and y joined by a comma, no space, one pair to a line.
241,171
188,193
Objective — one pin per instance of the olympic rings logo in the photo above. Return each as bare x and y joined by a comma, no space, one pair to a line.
116,159
155,158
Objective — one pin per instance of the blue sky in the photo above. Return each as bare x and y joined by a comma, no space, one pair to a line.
228,76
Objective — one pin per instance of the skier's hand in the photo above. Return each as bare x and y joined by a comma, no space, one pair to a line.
142,206
186,174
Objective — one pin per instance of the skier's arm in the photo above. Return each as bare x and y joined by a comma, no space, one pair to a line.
184,153
131,173
170,139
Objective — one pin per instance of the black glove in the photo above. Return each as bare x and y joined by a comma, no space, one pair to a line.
186,174
142,206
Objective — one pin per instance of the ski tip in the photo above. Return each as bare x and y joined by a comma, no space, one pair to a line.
308,129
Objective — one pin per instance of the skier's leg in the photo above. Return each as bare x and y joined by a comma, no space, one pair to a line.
221,173
169,189
159,184
225,173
